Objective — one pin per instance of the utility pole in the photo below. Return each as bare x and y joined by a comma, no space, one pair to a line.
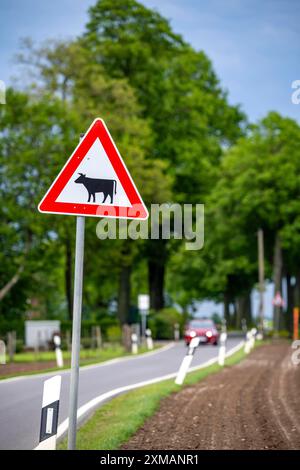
261,276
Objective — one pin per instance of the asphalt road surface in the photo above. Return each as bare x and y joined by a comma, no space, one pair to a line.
21,398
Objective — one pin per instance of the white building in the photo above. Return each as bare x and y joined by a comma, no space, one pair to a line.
38,333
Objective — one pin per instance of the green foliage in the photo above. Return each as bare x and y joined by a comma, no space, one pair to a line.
257,186
165,109
162,323
114,333
181,140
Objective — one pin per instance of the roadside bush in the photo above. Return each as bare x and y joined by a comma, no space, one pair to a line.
162,323
114,334
281,334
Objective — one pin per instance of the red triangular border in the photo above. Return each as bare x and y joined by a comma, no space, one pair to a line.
99,130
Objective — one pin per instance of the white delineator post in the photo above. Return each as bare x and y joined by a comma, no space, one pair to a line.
2,352
253,337
58,352
187,360
222,349
134,343
49,415
149,340
247,347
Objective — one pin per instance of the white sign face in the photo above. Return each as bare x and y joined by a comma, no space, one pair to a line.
96,162
143,302
95,181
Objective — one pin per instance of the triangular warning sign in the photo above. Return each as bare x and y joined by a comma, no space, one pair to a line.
95,181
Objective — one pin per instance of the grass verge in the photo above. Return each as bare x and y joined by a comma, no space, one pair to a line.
116,421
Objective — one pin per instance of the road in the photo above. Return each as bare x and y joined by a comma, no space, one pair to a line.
20,398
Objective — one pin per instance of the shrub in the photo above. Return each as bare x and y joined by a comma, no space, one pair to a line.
114,334
162,323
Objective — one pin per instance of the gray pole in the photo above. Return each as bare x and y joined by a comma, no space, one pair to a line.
261,276
76,330
144,323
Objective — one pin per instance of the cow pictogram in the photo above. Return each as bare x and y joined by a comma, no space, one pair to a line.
98,185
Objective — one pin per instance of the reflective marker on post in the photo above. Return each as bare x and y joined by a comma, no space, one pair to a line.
187,360
49,415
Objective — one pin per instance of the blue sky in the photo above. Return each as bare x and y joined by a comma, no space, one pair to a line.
254,44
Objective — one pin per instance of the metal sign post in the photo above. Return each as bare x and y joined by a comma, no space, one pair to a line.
65,196
77,305
143,306
144,314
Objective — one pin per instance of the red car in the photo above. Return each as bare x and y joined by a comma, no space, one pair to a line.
204,328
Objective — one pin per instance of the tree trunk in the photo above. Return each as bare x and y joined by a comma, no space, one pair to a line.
227,309
124,294
290,304
10,284
243,304
233,319
126,337
156,284
157,259
15,278
297,291
68,277
277,279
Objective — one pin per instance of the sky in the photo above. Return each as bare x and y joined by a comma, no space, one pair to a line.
254,45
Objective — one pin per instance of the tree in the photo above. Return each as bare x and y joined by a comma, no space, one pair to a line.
258,187
34,137
180,96
69,72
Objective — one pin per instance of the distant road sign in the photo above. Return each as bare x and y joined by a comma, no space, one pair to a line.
278,300
143,302
95,181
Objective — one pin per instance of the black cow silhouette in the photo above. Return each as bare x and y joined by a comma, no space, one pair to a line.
93,186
